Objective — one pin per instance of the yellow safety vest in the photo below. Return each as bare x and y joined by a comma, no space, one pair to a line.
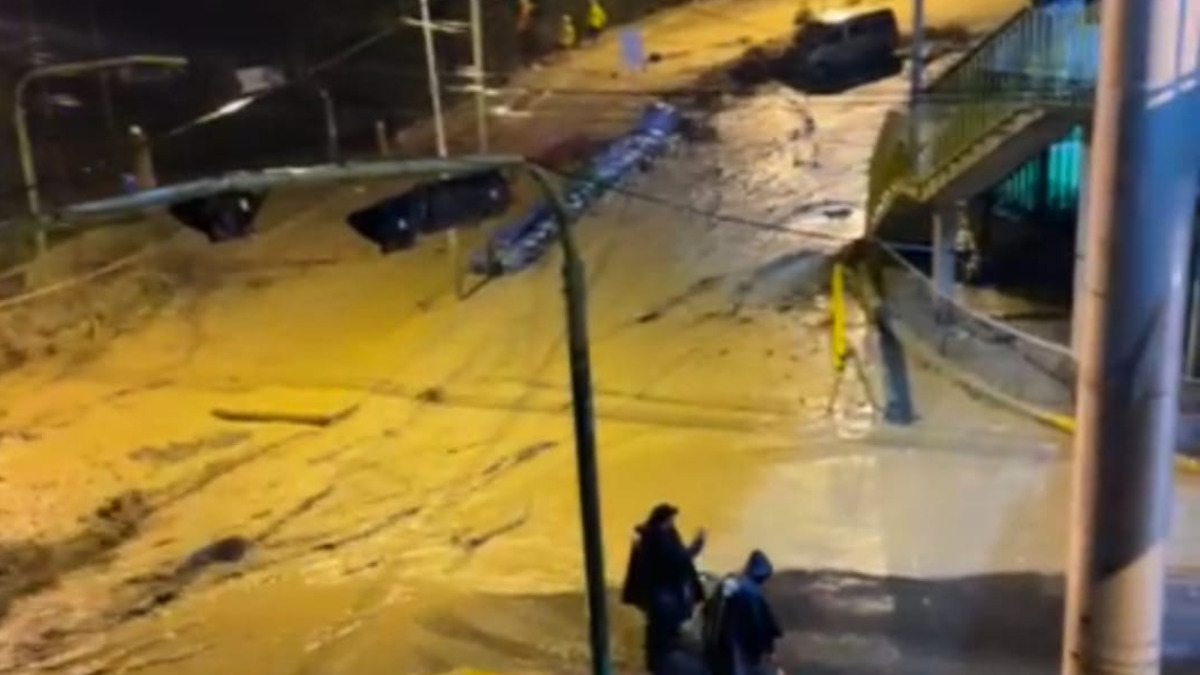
597,17
567,37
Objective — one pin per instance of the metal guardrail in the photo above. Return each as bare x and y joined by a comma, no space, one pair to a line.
1027,368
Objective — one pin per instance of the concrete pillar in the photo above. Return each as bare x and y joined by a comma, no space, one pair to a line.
946,222
1081,219
1141,206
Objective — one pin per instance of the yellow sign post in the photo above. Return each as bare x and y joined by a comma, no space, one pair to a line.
839,345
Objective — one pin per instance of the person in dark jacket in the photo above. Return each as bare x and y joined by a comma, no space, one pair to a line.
747,632
661,581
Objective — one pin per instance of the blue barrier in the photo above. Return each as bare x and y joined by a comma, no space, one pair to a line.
515,246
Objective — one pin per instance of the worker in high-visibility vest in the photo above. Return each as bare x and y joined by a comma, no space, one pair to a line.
597,20
567,36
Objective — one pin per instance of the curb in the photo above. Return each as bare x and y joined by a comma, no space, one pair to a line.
868,295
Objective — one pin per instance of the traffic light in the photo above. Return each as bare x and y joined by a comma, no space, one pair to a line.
394,223
220,217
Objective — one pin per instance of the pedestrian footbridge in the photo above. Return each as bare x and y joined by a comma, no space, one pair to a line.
1017,94
983,176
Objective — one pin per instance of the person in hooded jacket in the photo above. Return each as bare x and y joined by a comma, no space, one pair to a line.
743,642
661,581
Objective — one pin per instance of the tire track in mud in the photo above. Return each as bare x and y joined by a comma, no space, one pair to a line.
29,567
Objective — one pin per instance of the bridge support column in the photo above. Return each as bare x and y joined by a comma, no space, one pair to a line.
1081,219
947,219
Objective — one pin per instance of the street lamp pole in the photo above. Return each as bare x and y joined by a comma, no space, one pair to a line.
916,75
332,149
481,121
439,130
21,123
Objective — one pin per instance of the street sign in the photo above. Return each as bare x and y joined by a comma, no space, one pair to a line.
633,50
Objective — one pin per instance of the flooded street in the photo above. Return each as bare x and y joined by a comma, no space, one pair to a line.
432,522
307,458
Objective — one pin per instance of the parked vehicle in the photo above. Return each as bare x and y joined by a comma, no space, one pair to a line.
394,223
839,48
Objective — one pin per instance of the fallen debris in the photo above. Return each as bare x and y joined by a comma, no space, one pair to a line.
312,419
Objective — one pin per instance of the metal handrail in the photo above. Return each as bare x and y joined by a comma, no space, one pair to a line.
1005,74
947,77
995,324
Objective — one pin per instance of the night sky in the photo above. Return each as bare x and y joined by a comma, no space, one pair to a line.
80,125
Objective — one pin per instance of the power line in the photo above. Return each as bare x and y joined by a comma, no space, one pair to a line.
739,221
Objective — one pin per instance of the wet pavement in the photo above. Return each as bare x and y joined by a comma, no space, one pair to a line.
431,525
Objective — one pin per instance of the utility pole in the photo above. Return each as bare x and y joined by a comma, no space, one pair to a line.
106,100
916,75
481,122
439,130
1142,189
917,128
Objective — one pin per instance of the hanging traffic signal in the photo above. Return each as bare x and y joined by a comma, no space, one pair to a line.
220,217
394,223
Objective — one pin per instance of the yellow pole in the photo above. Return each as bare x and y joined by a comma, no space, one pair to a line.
837,311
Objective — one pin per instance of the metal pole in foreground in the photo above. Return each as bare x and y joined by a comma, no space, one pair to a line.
481,123
1141,201
439,130
575,291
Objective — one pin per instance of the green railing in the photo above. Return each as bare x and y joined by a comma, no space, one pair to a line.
891,160
1039,58
960,75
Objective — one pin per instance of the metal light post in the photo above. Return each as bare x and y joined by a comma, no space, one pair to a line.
21,124
481,121
332,149
1141,205
439,130
916,75
918,114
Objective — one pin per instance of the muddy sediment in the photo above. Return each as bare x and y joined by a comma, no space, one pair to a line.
27,567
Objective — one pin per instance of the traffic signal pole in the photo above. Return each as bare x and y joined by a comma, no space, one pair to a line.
1141,204
583,412
575,296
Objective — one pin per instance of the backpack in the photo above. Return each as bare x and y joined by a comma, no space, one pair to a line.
713,613
636,591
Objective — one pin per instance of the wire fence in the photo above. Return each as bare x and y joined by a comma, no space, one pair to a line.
1027,368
